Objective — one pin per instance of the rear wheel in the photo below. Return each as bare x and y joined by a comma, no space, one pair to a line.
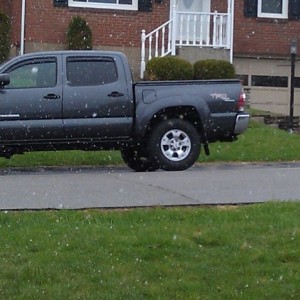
137,160
174,145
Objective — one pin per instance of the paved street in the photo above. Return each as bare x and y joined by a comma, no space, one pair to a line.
120,187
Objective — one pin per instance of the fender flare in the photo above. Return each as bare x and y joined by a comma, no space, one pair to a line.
145,112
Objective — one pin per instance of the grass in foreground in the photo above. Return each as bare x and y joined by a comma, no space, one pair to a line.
258,143
240,252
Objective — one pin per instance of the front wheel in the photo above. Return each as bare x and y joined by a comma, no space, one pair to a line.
174,145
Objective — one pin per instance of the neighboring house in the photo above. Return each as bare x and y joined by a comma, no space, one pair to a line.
254,34
263,32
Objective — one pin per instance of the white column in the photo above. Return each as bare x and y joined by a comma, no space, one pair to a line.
174,28
143,53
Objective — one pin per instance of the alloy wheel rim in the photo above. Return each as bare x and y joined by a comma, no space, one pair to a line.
175,145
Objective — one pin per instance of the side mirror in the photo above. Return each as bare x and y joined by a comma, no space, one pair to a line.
4,80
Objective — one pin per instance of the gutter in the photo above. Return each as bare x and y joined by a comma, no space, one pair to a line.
22,27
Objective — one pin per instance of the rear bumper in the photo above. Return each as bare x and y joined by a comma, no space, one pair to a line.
241,123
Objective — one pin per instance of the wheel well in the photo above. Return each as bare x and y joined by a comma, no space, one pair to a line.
187,113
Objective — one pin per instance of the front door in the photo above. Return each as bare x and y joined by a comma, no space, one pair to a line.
31,105
192,22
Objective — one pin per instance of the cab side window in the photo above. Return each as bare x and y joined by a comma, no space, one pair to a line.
91,71
33,74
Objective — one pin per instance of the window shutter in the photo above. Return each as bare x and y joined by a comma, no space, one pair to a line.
145,5
250,8
60,3
294,9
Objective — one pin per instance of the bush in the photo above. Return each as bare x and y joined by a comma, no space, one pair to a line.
169,68
214,69
79,35
4,37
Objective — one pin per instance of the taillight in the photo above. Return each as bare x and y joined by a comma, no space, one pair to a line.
242,101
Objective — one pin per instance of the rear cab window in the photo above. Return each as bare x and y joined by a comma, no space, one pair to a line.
91,71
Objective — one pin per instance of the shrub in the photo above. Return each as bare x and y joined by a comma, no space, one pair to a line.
79,35
4,37
214,69
169,68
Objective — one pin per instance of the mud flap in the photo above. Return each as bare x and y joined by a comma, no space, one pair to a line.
205,142
206,148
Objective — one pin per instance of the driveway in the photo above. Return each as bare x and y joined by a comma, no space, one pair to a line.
77,188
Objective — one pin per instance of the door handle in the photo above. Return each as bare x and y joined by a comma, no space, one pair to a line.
115,94
52,96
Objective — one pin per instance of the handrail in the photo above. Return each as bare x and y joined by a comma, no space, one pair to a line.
159,28
162,43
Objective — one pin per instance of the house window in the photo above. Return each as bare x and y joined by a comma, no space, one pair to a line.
272,9
276,9
297,82
108,4
269,81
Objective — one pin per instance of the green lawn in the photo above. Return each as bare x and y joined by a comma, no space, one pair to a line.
226,252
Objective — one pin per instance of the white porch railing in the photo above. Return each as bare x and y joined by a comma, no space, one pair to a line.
202,29
161,38
189,30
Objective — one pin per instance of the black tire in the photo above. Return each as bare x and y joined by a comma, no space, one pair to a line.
174,145
137,160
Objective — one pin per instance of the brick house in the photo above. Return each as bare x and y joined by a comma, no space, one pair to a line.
254,34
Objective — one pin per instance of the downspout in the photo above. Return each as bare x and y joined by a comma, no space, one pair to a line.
22,27
232,29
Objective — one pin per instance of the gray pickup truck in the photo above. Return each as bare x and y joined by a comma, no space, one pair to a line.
87,100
